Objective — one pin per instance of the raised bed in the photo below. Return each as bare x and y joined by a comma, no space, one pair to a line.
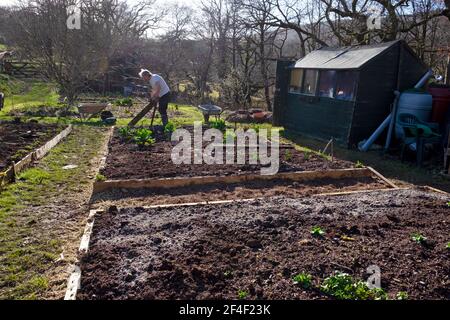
24,143
204,251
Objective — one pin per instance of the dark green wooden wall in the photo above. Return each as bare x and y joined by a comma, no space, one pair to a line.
318,116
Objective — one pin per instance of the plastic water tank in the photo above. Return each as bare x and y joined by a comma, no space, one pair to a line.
418,103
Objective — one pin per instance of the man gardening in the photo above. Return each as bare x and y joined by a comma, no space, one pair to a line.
160,92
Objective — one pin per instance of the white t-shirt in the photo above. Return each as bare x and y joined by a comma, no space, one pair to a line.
158,80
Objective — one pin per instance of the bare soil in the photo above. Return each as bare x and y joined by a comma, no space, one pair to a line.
18,139
245,190
214,251
126,161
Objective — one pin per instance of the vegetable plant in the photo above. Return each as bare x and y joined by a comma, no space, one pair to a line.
402,295
242,294
169,127
143,137
417,237
303,279
343,286
218,124
317,231
359,164
126,133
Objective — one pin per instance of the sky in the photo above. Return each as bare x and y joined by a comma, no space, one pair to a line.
185,2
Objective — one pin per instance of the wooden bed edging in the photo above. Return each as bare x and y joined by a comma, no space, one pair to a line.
177,182
9,175
74,281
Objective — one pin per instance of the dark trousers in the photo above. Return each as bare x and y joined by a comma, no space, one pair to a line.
162,108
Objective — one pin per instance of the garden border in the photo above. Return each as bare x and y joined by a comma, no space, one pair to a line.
74,280
9,175
177,182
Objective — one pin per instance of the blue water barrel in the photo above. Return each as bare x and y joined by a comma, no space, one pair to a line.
418,103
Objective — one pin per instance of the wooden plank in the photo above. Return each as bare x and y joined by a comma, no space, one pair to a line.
74,281
379,175
42,151
141,114
178,182
9,175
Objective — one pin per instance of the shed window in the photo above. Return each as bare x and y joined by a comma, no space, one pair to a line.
310,81
326,83
346,85
296,80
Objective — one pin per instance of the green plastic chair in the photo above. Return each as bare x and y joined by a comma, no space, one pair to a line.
419,132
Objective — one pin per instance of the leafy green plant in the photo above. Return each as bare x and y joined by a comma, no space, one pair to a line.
228,274
359,164
99,177
218,124
448,204
417,237
343,286
143,137
169,127
448,245
288,155
303,279
126,133
242,294
317,231
402,295
125,102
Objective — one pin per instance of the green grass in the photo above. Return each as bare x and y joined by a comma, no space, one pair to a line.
28,247
22,95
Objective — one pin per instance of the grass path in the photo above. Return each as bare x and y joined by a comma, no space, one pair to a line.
42,217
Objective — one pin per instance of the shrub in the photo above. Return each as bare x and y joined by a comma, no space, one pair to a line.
303,279
342,286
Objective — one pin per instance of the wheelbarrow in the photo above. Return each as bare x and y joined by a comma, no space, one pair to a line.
88,110
210,110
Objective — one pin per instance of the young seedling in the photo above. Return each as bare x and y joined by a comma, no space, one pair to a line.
242,294
306,155
402,295
448,204
343,286
417,237
219,124
317,232
288,155
99,177
359,164
169,128
125,133
227,274
448,245
303,279
143,137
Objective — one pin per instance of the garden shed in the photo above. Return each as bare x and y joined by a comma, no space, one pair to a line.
346,92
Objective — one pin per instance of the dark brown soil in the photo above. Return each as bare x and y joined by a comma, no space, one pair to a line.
214,251
246,190
18,139
127,161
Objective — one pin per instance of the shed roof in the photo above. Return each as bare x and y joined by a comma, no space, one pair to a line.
353,57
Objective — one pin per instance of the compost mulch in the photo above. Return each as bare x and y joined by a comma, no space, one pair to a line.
126,161
19,138
213,251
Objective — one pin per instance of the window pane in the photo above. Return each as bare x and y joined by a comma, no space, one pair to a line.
310,82
296,80
326,83
346,84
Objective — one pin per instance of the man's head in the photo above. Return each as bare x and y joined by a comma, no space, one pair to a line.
145,75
